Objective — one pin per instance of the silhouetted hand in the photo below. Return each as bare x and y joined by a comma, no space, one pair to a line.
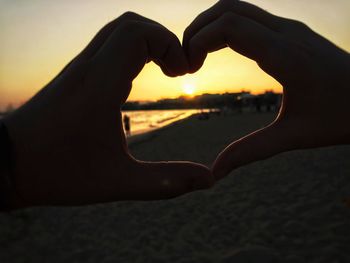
69,145
315,75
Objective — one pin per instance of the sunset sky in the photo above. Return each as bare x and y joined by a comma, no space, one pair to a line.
38,37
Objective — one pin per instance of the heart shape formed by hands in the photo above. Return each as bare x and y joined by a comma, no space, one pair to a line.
69,145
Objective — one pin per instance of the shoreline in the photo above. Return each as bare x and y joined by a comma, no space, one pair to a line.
148,135
148,120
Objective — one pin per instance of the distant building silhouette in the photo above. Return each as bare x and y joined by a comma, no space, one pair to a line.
235,102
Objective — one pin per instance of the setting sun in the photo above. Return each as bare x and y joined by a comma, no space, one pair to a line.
189,89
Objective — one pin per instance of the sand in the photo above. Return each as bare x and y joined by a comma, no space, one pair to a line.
196,140
289,208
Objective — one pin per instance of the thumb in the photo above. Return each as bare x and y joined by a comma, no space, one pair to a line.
256,146
161,180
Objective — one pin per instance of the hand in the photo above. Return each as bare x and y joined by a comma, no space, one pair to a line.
315,75
69,145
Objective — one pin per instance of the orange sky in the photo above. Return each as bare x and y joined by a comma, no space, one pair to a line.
39,37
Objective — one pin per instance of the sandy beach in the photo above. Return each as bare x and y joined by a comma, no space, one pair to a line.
289,208
196,140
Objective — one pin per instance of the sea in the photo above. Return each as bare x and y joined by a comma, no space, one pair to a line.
148,120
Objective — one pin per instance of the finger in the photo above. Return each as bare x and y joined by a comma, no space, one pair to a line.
166,180
242,34
238,7
132,45
165,49
256,146
100,38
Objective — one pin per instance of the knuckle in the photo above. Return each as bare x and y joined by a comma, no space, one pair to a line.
297,25
129,15
165,33
226,3
202,16
160,31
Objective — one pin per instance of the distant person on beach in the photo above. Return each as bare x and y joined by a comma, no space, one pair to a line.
257,103
66,146
126,121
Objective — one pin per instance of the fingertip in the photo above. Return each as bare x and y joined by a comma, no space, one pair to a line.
196,57
176,63
204,178
220,170
168,73
192,176
183,65
172,179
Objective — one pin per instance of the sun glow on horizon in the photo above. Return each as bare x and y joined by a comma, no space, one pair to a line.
189,89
